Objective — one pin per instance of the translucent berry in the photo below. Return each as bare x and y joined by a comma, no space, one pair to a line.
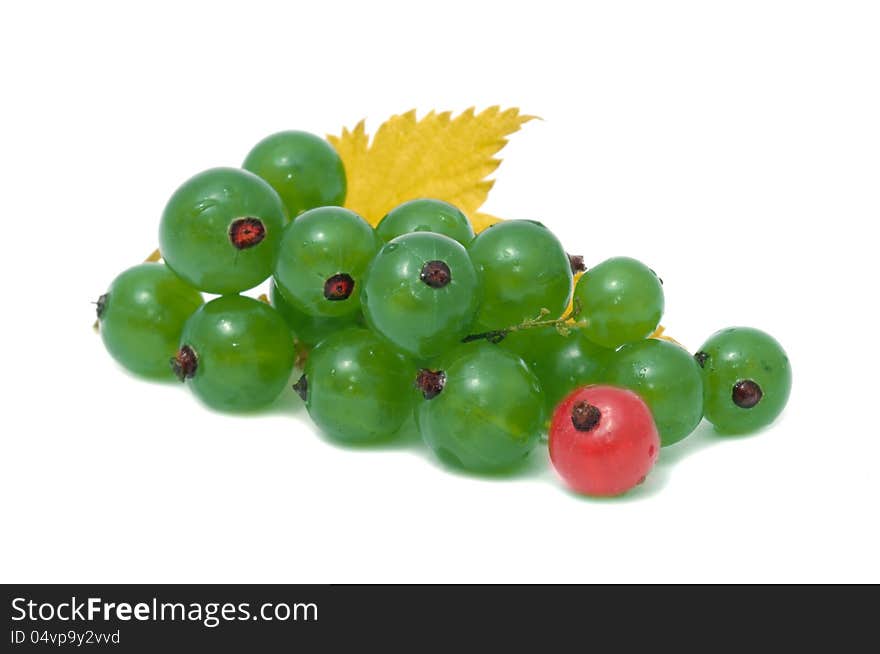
142,315
523,269
621,300
220,230
746,379
322,260
236,353
420,293
667,378
603,440
303,168
426,215
357,388
482,409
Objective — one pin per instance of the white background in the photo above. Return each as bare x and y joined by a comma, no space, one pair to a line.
734,146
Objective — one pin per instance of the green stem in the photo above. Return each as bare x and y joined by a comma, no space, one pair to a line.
561,324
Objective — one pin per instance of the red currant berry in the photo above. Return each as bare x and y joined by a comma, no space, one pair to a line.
603,440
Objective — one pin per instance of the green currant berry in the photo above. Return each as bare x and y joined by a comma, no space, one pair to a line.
426,215
482,408
322,259
622,301
420,292
561,363
220,230
304,169
667,378
746,379
356,387
310,330
522,269
236,353
142,316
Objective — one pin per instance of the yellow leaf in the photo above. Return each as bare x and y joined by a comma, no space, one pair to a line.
480,221
660,334
436,157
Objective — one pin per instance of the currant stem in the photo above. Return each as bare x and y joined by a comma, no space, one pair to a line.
562,325
494,336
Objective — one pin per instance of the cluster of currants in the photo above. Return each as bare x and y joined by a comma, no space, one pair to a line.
486,340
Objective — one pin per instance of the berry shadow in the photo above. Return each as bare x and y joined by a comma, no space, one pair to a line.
169,380
741,435
531,466
703,437
406,439
288,403
656,481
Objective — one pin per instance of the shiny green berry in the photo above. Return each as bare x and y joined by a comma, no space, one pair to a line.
669,381
426,215
309,330
142,315
482,409
420,293
621,300
522,269
356,387
322,259
236,353
561,363
746,379
304,169
220,230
